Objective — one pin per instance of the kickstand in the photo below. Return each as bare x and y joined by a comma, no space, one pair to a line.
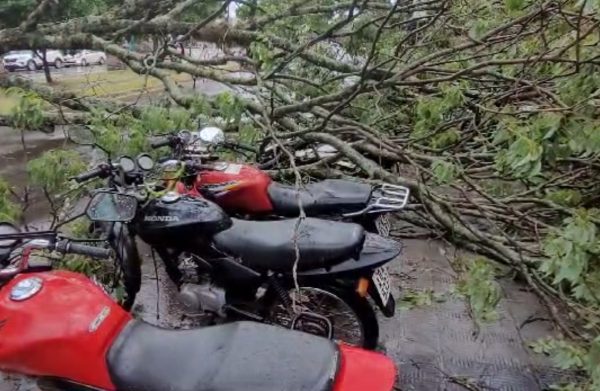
157,285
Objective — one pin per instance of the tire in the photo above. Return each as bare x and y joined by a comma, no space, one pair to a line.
378,224
127,257
31,65
58,63
102,61
84,63
360,307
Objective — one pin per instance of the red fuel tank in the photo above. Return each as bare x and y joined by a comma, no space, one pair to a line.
236,187
63,330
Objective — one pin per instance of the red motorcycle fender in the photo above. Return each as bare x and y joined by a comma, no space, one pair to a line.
362,370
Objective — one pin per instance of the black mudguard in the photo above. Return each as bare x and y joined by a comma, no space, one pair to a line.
376,252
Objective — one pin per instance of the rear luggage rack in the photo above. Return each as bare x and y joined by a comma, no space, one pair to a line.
385,198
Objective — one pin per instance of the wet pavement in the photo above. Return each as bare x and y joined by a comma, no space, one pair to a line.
440,347
436,346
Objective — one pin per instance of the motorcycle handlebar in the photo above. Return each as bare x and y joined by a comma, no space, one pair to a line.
242,147
65,246
160,143
89,175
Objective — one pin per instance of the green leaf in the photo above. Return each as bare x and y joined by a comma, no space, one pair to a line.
444,172
565,197
53,169
565,354
479,286
9,210
514,5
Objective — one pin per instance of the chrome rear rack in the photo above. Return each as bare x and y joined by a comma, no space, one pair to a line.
385,198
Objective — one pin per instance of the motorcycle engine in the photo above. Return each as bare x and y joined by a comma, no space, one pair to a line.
204,297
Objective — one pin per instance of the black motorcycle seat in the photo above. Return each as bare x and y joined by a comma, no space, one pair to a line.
237,356
332,196
269,245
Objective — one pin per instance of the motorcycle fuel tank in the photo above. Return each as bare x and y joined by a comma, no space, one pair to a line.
58,324
169,221
236,187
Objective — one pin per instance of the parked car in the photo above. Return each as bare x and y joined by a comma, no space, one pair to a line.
27,59
86,57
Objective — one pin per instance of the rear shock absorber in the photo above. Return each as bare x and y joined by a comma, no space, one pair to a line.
281,292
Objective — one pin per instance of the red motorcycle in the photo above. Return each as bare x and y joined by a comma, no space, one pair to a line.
63,329
247,190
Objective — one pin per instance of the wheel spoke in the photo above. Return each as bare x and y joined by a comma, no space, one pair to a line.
346,325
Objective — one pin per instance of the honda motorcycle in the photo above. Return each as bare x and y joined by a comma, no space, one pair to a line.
311,275
64,330
246,190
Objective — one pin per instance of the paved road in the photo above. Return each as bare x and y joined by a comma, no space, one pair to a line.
73,70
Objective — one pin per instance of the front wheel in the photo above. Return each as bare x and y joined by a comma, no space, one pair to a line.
58,63
313,310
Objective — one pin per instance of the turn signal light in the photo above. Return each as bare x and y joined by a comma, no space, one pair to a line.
362,287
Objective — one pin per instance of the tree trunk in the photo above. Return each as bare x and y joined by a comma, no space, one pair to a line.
45,65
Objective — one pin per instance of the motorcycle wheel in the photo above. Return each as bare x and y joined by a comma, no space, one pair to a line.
127,278
352,318
380,224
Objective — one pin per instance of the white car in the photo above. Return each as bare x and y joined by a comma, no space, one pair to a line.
26,59
86,57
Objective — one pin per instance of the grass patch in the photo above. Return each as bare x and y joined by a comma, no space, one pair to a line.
7,103
113,83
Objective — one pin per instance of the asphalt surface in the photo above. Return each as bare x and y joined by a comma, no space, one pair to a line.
72,70
435,346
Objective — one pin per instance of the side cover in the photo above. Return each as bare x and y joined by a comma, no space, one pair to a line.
64,330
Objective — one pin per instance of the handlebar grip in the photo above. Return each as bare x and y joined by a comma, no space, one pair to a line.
89,175
240,146
160,143
66,246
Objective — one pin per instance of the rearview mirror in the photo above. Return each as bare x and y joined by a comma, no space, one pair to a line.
81,135
8,229
212,135
112,207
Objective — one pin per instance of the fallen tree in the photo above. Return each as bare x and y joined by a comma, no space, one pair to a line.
487,110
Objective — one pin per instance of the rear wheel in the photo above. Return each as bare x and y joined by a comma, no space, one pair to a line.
84,63
31,65
379,224
351,317
58,63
